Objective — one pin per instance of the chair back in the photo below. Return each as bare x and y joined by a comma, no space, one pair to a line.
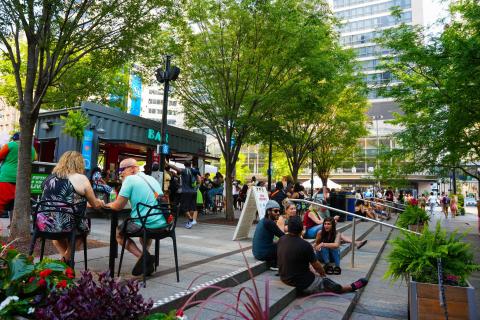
161,209
76,210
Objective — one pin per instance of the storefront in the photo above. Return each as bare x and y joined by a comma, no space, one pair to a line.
113,135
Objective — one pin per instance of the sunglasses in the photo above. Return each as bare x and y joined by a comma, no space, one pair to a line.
120,170
276,210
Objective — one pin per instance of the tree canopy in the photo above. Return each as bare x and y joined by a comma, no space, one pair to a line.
237,57
437,84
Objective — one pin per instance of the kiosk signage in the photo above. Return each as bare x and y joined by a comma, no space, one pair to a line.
87,146
257,198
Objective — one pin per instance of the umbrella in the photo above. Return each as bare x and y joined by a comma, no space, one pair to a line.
317,183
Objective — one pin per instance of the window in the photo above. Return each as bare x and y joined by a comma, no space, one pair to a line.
372,9
155,101
171,121
379,22
173,103
154,92
172,112
370,51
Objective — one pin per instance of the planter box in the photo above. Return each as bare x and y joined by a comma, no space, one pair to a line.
416,227
424,303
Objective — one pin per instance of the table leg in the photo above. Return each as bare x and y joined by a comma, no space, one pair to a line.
113,243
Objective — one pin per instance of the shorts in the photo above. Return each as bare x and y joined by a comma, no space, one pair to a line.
131,227
7,194
188,202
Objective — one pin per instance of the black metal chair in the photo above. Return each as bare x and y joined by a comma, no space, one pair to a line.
64,208
153,234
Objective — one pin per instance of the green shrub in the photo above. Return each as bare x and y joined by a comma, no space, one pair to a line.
416,256
412,215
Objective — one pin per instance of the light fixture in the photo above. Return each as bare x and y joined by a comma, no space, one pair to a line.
47,126
97,127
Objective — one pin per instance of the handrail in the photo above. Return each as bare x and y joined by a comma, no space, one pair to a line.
386,205
402,204
354,215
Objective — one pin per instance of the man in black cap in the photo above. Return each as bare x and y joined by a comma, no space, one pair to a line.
294,257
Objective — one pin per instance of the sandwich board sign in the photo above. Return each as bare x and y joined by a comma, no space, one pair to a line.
257,198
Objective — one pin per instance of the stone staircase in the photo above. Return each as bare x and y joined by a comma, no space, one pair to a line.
283,302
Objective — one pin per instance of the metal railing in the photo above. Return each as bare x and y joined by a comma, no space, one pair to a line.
354,222
396,203
382,204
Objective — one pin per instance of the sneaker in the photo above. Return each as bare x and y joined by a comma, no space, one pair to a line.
360,283
193,222
188,225
331,286
137,269
274,268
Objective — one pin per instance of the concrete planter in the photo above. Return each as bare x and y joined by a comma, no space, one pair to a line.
423,301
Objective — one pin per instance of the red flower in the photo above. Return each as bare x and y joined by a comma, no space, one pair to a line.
42,282
45,273
30,280
62,284
179,313
70,273
170,219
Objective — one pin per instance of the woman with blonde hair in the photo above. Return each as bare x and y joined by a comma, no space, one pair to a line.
66,183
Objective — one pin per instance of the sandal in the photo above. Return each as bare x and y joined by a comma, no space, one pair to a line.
329,269
337,271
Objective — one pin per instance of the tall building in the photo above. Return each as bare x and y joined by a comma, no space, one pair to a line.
9,119
362,21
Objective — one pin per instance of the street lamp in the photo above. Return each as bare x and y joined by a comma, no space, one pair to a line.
376,118
165,76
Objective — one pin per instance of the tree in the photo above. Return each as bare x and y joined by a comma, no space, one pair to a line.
280,166
437,85
237,56
58,35
242,172
345,124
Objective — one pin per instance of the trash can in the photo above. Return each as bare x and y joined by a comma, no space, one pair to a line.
350,205
338,200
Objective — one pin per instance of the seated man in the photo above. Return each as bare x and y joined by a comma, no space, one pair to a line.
263,246
135,187
295,256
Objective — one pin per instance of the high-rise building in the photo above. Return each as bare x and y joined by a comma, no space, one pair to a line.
9,118
362,21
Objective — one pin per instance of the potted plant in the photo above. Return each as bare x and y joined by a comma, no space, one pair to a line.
413,218
416,259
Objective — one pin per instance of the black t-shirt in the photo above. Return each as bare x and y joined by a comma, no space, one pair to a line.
294,256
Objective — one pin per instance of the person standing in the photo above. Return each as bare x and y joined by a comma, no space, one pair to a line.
190,179
454,205
432,201
8,170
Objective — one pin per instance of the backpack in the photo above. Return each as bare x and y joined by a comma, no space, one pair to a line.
191,179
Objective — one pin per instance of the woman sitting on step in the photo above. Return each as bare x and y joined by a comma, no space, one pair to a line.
327,246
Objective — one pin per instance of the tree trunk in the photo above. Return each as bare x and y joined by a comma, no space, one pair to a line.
229,212
295,170
20,226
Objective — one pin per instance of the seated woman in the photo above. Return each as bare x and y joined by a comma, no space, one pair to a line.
290,211
312,223
263,246
327,246
66,183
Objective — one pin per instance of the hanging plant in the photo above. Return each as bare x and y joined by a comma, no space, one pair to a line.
75,123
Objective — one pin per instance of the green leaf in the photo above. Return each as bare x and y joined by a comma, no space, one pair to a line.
19,267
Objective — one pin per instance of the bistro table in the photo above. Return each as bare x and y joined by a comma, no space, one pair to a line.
114,217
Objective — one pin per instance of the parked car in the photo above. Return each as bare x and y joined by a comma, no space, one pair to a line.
470,201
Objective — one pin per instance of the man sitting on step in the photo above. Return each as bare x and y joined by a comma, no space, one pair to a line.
294,258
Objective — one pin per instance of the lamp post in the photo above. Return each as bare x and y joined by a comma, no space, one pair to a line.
269,173
376,118
165,76
311,175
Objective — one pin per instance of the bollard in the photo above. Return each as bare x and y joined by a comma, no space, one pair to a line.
353,242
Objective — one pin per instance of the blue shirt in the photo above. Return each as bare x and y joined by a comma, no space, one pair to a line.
262,244
137,190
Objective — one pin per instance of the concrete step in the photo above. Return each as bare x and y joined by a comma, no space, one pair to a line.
227,272
280,295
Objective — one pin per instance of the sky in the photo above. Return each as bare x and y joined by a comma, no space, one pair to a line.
433,10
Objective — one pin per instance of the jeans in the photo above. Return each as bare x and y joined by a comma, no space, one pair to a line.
312,232
327,255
